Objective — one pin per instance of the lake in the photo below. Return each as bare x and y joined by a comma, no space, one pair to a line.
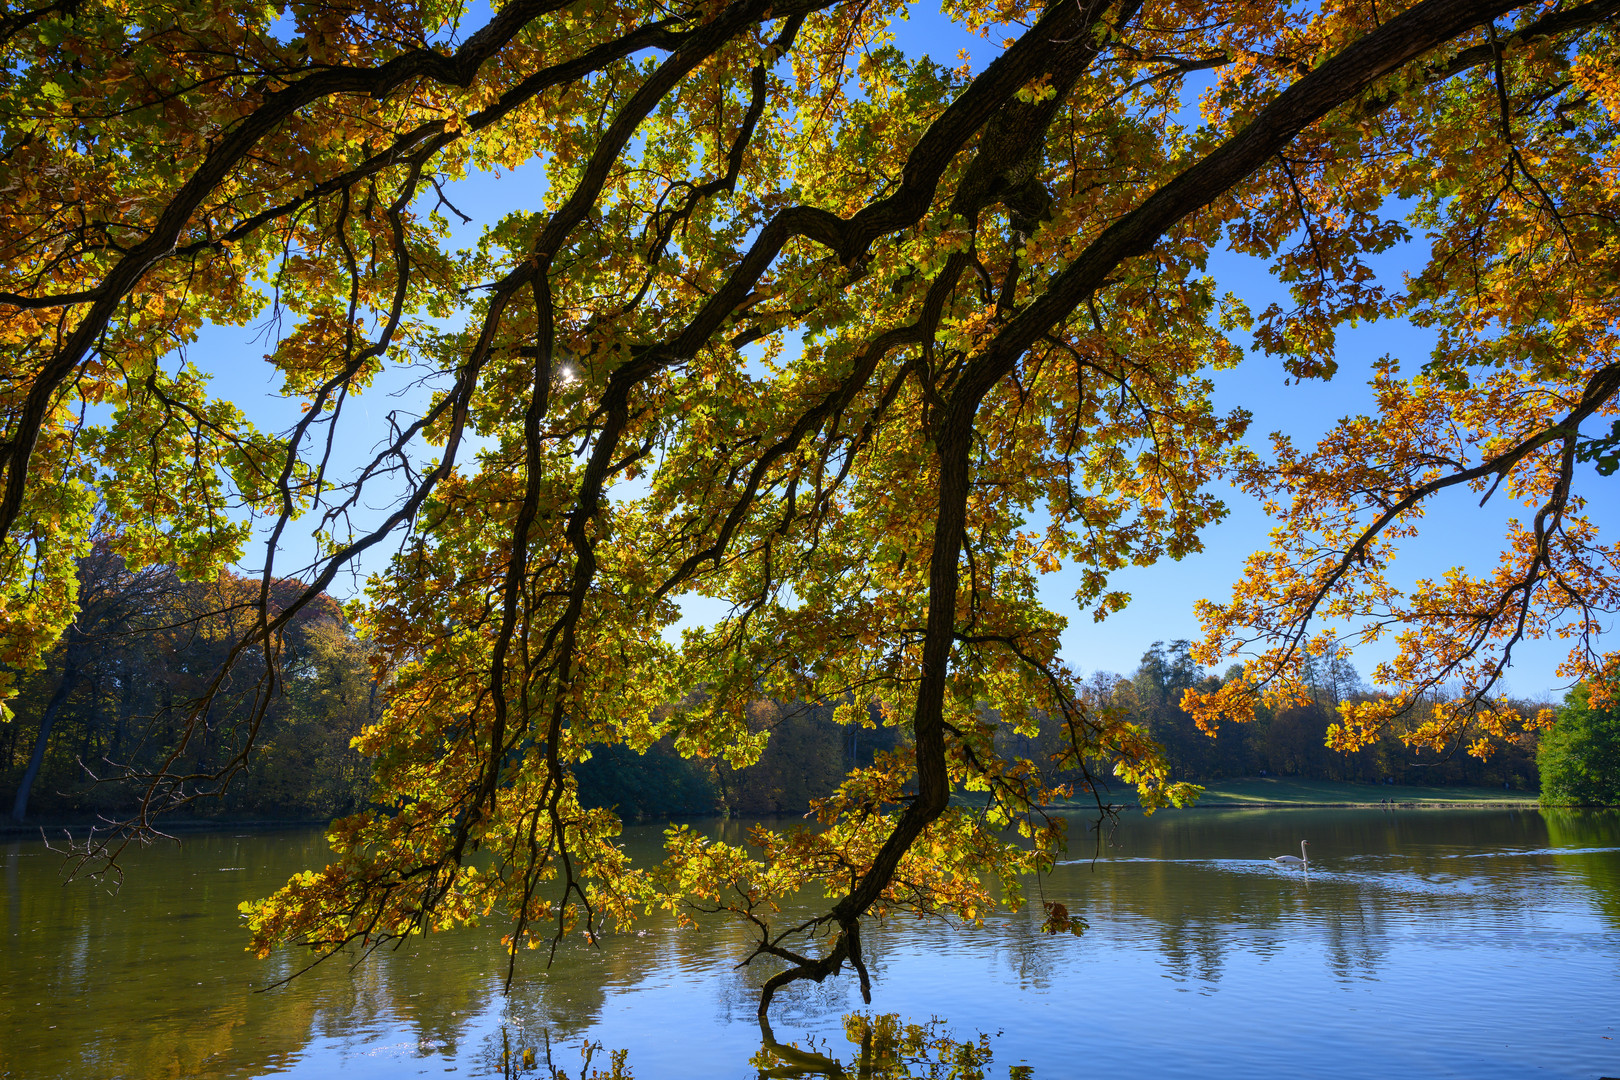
1422,943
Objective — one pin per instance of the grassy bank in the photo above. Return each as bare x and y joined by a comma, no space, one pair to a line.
1277,791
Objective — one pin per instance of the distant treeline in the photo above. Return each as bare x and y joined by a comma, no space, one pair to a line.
808,754
807,757
1290,742
113,701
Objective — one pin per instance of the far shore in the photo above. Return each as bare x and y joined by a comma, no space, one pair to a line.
1279,791
1255,792
80,826
1273,792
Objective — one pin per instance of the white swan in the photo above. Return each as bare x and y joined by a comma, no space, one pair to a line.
1303,861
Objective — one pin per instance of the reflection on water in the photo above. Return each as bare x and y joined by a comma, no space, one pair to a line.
885,1048
1418,943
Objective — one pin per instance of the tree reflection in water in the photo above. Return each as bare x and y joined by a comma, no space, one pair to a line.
1582,841
888,1050
521,1058
1399,903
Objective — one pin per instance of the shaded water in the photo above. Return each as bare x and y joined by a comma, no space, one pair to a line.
1432,943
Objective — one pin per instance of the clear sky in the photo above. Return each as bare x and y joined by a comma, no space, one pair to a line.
1458,532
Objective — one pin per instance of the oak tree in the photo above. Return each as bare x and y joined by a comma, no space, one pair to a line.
857,342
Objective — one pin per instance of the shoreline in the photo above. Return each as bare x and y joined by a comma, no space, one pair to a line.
1259,804
79,826
1392,804
1282,793
1216,799
1272,791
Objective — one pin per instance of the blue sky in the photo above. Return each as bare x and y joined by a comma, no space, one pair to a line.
1458,531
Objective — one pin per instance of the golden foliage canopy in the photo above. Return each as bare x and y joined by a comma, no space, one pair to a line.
811,324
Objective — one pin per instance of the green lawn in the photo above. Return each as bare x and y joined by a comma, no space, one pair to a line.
1272,791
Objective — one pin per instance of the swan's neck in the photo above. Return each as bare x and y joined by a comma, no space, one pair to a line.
1304,856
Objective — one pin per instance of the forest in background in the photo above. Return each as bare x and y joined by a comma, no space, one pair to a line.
114,694
110,704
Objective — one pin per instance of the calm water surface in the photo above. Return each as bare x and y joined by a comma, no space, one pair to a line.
1435,943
